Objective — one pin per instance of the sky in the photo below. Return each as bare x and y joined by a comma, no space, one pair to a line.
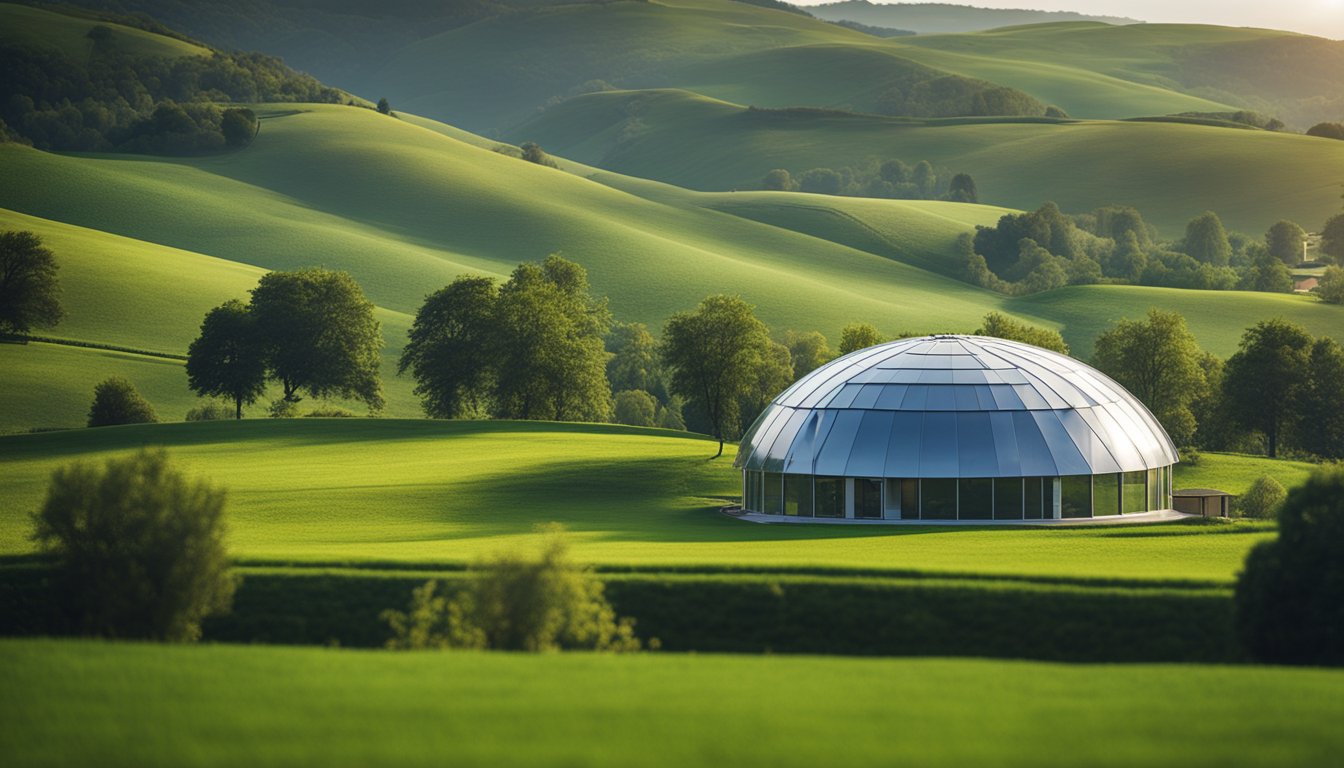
1315,17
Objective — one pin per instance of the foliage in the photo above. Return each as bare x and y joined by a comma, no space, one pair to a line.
636,408
807,351
115,401
634,360
319,335
1262,500
533,153
1332,238
1330,286
962,189
329,412
517,603
384,108
1290,597
283,408
1327,130
1285,241
450,347
889,179
856,336
1206,240
139,548
135,103
1000,326
210,410
714,355
531,349
1320,417
1036,251
1156,359
779,180
1267,273
29,291
1264,379
227,359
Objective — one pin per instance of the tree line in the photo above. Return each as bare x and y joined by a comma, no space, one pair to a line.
890,179
114,99
1046,248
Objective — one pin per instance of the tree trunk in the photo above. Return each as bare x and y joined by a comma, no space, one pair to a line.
720,453
238,408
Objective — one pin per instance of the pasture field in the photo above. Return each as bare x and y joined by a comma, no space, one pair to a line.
31,27
64,702
1171,172
415,492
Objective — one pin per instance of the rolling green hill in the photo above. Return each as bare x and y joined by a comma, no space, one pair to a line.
1169,171
42,29
926,18
66,702
442,492
1099,70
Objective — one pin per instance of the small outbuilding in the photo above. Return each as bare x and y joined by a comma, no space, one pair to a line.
1205,502
956,428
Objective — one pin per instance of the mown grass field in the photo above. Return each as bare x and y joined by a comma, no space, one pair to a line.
123,704
424,492
1171,172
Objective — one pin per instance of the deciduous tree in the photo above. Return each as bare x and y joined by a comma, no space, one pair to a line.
856,336
29,292
1206,240
452,346
116,401
1000,326
1265,377
1285,240
228,358
1156,359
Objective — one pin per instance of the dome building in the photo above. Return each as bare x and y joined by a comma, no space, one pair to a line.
950,428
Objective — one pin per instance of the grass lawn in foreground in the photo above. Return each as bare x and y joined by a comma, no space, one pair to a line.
435,492
66,702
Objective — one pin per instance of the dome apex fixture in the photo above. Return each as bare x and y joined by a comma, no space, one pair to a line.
950,427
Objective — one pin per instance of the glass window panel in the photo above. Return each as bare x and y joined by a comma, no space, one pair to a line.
941,398
1068,459
907,435
935,377
1076,496
1049,491
938,499
798,495
1106,495
867,396
1005,398
869,456
909,499
1008,498
867,499
938,454
892,499
774,494
968,377
1005,445
845,395
1032,509
1135,494
891,397
915,397
834,453
1032,452
830,494
977,455
975,498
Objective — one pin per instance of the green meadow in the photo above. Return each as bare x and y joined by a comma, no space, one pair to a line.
418,492
1171,172
226,705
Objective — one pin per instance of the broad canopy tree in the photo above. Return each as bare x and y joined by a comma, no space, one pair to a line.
1158,360
29,292
1264,379
227,359
714,354
319,335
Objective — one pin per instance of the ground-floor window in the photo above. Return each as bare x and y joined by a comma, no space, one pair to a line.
938,499
773,493
1008,498
1105,495
798,495
975,498
1075,496
830,496
867,499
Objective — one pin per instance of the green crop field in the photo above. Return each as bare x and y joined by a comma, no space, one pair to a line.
1171,172
121,704
449,492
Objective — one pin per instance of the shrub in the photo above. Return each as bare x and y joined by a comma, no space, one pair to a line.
1290,596
329,412
283,408
139,549
1331,285
516,603
211,410
636,408
115,401
1263,499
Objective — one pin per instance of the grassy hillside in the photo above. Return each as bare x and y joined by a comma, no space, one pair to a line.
227,705
1086,67
448,492
926,18
1171,172
31,27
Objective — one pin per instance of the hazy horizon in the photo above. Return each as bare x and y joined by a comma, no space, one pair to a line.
1324,18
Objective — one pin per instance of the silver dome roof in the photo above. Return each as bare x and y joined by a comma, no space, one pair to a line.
955,406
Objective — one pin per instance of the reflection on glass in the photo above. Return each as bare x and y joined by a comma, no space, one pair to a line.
774,494
1154,489
1049,490
892,511
798,495
938,499
1008,498
830,496
910,499
868,499
1075,496
1134,492
1106,495
976,498
1032,498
